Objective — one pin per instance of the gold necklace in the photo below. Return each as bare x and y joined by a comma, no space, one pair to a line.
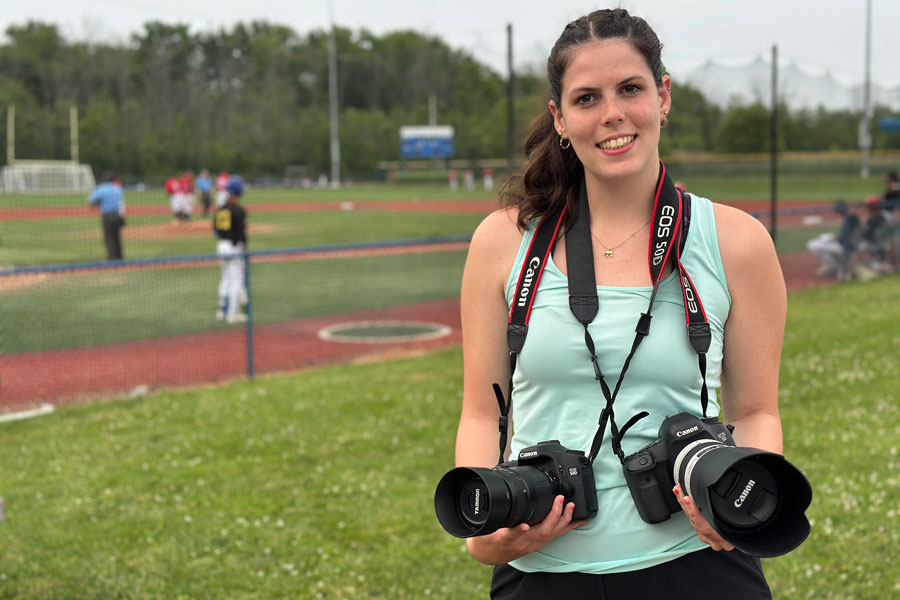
607,251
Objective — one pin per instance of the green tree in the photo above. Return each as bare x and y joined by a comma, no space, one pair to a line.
744,129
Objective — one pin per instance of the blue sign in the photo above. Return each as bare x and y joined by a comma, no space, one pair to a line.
889,123
427,141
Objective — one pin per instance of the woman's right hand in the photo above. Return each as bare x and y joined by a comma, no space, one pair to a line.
511,543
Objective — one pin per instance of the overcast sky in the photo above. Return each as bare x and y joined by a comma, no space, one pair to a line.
819,35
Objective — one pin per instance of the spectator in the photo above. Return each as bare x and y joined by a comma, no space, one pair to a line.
109,199
892,190
878,233
487,176
834,250
469,179
892,201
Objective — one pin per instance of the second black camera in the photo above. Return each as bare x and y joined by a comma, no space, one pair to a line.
754,499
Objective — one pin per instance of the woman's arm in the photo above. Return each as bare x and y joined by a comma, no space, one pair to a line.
485,315
754,334
754,331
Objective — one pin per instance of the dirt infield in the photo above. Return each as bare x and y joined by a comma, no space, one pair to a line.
179,229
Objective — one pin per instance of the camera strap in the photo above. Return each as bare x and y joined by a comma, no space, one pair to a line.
671,218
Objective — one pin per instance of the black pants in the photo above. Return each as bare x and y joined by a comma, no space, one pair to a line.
702,574
112,229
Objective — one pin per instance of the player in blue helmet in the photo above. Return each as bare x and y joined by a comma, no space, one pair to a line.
230,226
235,186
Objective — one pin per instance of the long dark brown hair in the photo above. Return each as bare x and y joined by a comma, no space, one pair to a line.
551,174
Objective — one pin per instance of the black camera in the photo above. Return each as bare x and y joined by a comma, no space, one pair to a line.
475,501
754,499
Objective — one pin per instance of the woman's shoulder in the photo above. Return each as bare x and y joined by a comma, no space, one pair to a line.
740,231
494,247
744,243
499,231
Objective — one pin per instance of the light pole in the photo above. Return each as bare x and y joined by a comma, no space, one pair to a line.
865,135
333,103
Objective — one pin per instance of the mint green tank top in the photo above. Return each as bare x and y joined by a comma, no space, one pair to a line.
557,398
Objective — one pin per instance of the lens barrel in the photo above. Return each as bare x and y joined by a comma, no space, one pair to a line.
474,501
752,498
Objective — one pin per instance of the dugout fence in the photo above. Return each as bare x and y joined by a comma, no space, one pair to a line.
89,329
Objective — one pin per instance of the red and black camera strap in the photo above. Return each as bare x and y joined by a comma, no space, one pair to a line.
671,219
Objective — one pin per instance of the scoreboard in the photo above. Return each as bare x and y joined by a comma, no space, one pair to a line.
426,141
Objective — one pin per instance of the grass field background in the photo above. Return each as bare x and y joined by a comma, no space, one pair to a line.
320,484
92,308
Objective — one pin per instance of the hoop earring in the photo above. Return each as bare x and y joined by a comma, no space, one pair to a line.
567,141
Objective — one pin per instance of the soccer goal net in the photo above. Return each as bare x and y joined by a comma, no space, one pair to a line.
47,177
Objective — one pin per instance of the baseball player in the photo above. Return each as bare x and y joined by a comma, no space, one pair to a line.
230,226
221,181
173,189
204,187
187,195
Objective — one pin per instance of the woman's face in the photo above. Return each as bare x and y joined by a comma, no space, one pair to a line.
611,109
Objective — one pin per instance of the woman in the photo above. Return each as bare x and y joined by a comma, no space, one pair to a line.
609,100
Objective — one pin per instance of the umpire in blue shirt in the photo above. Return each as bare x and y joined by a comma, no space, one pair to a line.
108,198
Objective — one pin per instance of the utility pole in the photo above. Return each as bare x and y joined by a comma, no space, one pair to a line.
510,107
73,134
774,166
865,135
333,103
10,134
432,109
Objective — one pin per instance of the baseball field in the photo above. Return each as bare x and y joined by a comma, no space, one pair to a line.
319,483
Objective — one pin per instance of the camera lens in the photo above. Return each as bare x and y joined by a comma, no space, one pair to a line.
474,505
752,498
472,501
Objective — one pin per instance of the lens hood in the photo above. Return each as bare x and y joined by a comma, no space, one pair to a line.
464,513
753,498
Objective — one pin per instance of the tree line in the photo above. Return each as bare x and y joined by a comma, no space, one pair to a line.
254,99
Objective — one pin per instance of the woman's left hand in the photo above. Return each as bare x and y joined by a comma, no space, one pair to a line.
704,530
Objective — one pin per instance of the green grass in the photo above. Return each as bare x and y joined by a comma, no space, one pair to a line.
85,309
824,188
320,484
60,241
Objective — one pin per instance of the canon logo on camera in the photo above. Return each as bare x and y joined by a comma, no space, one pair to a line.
528,454
687,431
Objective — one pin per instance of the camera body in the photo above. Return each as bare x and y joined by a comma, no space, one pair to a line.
472,501
651,472
568,471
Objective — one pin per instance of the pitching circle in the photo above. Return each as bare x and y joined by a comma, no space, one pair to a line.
383,332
